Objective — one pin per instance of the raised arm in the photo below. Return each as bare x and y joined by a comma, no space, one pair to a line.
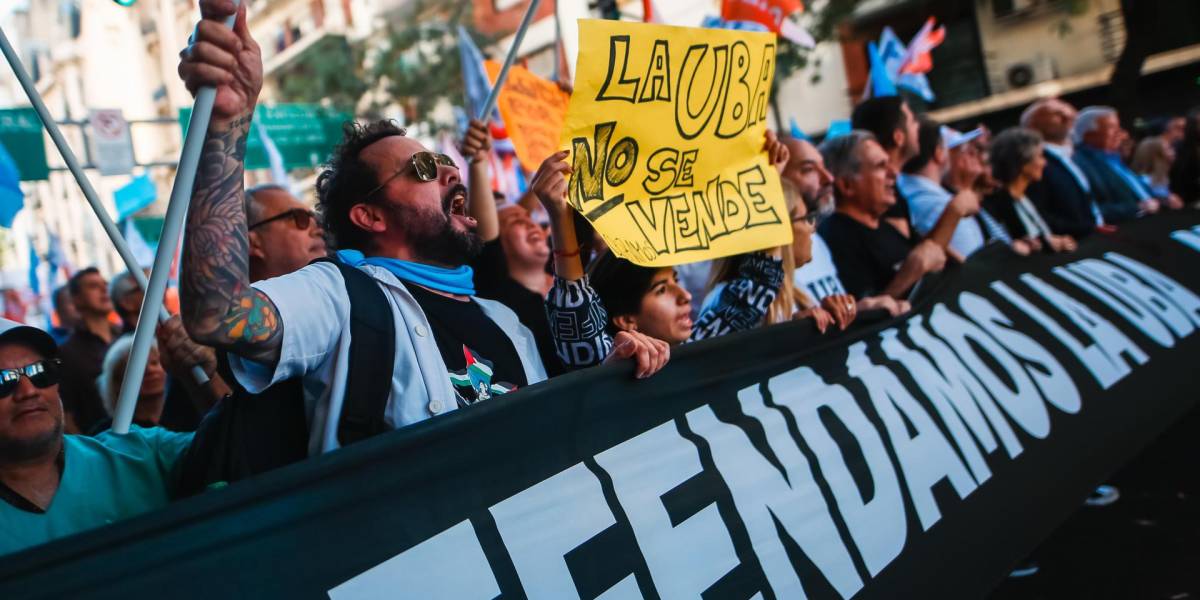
481,204
219,308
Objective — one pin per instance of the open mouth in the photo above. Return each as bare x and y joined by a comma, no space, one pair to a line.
455,202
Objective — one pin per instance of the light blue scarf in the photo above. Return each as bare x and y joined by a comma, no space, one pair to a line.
460,280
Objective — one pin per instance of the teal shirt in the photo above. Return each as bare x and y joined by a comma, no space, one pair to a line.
105,479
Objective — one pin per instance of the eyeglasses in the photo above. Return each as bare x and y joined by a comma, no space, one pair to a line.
42,374
424,165
302,218
809,218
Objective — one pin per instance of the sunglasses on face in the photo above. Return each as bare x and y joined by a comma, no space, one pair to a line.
302,218
424,165
42,374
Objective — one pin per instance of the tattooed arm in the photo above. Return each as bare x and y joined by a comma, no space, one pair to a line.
219,307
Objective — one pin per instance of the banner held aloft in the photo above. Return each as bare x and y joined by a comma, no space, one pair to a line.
666,130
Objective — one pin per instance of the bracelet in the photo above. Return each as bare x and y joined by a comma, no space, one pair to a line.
563,254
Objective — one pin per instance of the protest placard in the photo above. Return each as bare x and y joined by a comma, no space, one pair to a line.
533,110
666,130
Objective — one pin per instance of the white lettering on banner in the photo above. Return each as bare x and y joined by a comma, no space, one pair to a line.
450,564
957,375
1051,378
1188,238
1187,301
764,495
1110,339
1023,403
878,524
1106,273
685,559
1120,303
1106,372
946,399
542,523
925,458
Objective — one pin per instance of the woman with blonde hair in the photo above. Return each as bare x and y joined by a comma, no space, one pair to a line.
1153,160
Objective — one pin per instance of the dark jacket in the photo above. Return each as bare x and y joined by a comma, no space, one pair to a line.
1062,201
999,204
1117,200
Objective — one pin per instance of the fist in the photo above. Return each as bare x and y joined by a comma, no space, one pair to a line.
224,58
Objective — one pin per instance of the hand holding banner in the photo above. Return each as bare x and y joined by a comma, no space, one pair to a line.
666,130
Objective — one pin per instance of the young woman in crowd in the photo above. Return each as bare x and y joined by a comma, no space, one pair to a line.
790,302
616,296
1152,161
1017,161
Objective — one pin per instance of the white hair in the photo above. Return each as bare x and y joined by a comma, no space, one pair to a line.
1088,119
109,383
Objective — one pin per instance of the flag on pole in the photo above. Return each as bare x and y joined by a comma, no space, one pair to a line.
139,193
475,80
12,199
882,84
917,58
142,251
778,16
650,14
795,131
35,280
279,174
838,129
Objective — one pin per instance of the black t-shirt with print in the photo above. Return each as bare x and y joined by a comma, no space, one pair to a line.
462,330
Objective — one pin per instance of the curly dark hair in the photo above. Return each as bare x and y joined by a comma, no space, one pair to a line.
346,179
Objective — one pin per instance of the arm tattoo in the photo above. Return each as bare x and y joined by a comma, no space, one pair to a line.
219,306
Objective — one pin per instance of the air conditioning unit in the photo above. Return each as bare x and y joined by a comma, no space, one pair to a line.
1025,73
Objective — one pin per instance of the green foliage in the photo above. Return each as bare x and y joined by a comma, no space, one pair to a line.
328,72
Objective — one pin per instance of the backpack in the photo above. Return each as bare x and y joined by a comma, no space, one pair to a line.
247,434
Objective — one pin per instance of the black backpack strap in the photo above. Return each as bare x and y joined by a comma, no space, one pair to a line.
372,357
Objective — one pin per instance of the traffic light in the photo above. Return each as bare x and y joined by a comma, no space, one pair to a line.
125,3
608,9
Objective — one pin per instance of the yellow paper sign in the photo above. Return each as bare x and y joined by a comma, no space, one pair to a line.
666,130
533,110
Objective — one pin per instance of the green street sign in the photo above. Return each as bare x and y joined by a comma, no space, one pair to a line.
21,134
305,134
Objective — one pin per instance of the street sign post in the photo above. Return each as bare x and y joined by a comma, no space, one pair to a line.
304,134
111,145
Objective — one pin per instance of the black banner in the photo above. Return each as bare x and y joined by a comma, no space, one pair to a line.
914,458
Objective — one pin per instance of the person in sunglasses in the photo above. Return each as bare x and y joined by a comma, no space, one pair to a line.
393,209
53,485
283,234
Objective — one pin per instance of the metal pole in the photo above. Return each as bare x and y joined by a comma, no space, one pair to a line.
177,207
85,185
508,60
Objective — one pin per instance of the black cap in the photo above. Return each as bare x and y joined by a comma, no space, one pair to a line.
12,331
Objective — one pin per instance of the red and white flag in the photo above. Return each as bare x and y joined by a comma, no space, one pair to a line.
775,15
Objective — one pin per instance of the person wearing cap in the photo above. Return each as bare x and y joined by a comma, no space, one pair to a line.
936,213
54,484
1064,195
126,296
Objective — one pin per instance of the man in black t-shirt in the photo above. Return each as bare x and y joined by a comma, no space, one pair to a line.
871,255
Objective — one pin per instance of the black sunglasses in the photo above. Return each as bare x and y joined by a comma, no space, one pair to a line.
425,166
302,218
42,374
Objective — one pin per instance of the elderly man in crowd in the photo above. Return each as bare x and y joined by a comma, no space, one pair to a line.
283,234
83,352
819,277
872,257
1064,195
396,211
53,485
1121,194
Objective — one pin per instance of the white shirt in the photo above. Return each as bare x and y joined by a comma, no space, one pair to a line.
927,200
819,278
314,310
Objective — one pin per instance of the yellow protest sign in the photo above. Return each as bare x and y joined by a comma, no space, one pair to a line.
666,130
533,110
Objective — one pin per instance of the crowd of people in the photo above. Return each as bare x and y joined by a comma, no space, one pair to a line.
488,296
